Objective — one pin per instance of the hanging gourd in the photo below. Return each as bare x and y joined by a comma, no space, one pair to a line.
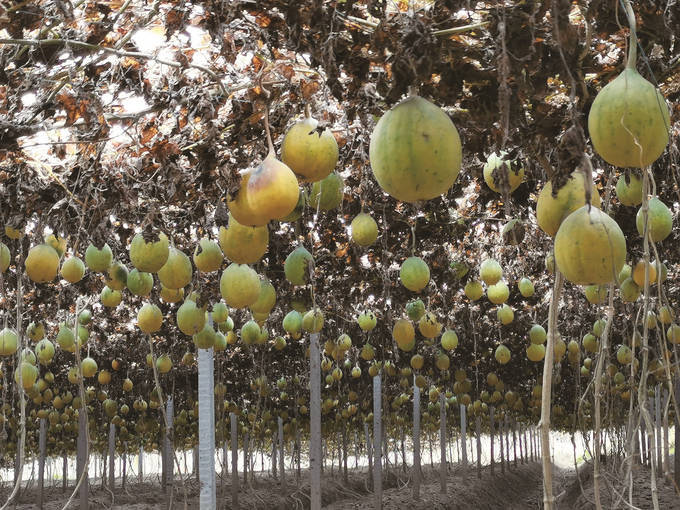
629,119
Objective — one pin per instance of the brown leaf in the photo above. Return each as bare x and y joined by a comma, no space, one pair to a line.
148,132
309,88
287,71
73,110
257,63
163,149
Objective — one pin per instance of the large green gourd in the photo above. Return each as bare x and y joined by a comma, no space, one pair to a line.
415,151
629,119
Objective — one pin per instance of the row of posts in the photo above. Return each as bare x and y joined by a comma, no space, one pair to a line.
527,440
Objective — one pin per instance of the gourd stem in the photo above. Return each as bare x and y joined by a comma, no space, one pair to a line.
267,131
632,43
308,111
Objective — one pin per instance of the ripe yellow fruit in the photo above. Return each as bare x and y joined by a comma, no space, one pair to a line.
660,220
310,154
149,257
327,193
414,274
9,342
163,364
272,189
190,318
596,294
552,210
442,362
502,176
104,377
176,272
89,367
473,290
415,151
57,242
140,283
526,287
590,247
239,285
417,362
265,300
498,293
171,295
505,314
536,352
42,263
208,256
243,244
490,271
110,298
118,274
404,334
629,121
449,340
629,189
149,318
98,260
73,269
429,326
297,266
241,210
639,273
313,320
5,257
502,354
364,229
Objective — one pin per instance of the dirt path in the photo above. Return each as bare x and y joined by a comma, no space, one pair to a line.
518,488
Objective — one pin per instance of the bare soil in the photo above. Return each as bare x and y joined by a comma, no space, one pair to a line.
518,488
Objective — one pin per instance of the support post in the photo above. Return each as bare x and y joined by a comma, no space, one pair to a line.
140,465
478,433
369,453
417,475
282,467
442,443
246,448
234,460
206,428
124,464
275,473
463,434
344,455
315,422
377,440
514,442
666,453
500,439
112,456
657,411
225,463
64,472
507,438
298,473
41,461
356,450
168,466
492,426
82,461
676,461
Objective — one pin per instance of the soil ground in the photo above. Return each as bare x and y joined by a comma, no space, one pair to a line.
518,488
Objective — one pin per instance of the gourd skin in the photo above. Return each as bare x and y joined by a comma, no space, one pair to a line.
590,247
415,151
629,111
